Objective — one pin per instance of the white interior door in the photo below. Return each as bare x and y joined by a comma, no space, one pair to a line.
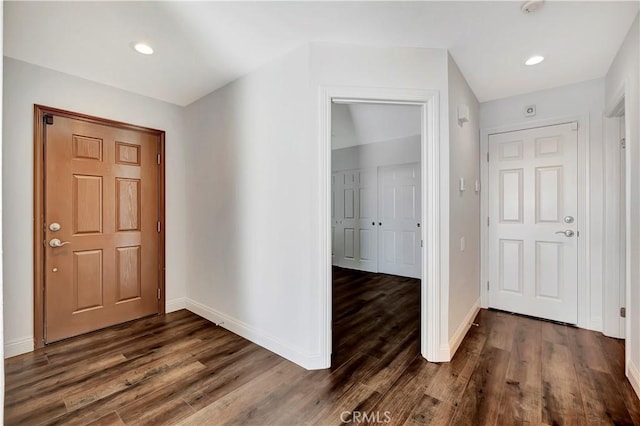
355,242
399,220
533,222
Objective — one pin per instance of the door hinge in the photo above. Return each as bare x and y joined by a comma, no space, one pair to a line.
47,119
487,220
623,143
421,243
158,159
487,157
158,226
623,312
158,293
487,285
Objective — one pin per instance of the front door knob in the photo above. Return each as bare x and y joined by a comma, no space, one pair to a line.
57,243
567,233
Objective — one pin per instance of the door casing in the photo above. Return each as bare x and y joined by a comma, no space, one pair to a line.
617,265
434,344
38,208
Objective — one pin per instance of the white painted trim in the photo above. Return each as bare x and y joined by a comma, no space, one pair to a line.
461,332
584,256
255,335
18,346
629,339
633,374
612,284
433,312
619,104
175,304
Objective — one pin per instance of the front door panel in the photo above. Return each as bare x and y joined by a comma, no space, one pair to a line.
101,191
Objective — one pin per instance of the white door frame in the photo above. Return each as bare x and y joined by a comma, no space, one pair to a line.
430,304
584,280
612,324
618,106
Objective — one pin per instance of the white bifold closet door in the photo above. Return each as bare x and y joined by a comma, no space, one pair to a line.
376,219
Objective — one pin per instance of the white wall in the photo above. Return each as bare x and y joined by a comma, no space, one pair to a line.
335,65
387,153
623,78
464,214
584,101
355,124
253,158
251,196
26,85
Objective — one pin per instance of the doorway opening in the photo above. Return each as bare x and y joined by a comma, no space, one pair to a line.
375,229
433,340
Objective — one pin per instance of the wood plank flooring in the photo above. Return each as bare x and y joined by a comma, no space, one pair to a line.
181,369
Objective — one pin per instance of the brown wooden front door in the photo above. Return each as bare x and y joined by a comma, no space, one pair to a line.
101,202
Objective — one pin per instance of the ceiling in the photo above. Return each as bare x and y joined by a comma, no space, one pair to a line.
201,46
361,124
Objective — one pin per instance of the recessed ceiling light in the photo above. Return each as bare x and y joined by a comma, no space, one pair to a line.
534,60
143,48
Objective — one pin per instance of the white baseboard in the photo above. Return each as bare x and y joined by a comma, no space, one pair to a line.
259,337
175,304
308,361
18,346
458,336
633,374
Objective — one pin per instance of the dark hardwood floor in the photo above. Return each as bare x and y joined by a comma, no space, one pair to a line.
181,369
